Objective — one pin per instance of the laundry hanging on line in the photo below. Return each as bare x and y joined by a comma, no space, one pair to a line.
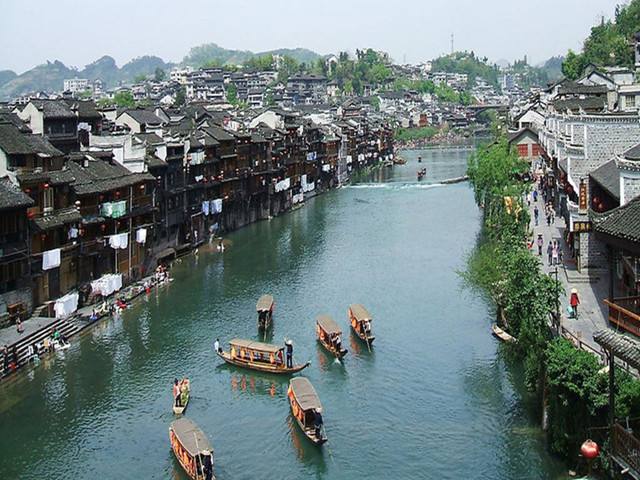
51,259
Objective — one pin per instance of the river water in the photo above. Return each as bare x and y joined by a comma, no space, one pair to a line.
434,398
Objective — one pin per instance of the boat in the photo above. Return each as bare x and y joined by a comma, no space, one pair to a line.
191,447
501,334
422,173
180,410
330,335
265,307
263,357
361,322
304,402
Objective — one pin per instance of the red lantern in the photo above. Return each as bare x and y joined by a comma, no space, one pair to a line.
596,200
46,185
601,207
117,194
103,227
30,214
590,449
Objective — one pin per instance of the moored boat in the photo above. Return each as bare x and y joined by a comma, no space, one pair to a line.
361,322
265,307
306,409
263,357
330,335
501,334
192,449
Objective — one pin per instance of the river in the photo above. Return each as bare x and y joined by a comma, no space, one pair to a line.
434,399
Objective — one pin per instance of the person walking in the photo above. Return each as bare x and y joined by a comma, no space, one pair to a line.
535,195
540,243
574,302
550,252
536,214
554,252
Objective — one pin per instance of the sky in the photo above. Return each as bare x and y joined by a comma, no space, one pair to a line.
78,32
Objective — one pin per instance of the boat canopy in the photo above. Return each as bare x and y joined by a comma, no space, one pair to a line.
305,394
265,302
192,439
328,324
255,346
359,312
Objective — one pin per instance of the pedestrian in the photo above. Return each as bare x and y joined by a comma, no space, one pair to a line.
540,244
536,214
535,195
550,252
553,214
560,255
19,326
555,252
574,301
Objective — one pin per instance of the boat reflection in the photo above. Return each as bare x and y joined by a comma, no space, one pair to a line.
307,452
259,385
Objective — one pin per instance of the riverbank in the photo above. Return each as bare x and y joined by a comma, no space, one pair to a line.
570,382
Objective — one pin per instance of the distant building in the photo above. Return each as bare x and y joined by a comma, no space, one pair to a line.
74,85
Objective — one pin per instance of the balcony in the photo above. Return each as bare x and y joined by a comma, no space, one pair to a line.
625,449
624,314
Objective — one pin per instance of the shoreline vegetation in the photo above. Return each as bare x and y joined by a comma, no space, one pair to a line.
569,383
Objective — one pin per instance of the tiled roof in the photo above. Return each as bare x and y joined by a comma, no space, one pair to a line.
219,134
589,104
622,222
53,108
12,197
622,346
153,161
102,176
144,117
15,142
86,109
633,153
608,177
574,88
58,218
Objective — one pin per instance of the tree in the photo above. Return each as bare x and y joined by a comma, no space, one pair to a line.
181,97
232,94
124,98
159,75
139,78
573,65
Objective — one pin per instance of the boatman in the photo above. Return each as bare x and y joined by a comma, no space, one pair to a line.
216,346
289,347
176,392
317,421
207,464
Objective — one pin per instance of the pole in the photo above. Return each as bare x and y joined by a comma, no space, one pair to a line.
115,250
130,227
612,397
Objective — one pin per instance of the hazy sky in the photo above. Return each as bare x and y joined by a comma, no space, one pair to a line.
78,32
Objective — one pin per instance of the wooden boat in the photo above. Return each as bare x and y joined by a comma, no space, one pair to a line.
330,335
361,322
180,410
304,403
501,334
265,307
191,447
263,357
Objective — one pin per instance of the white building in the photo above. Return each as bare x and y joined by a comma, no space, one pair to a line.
74,85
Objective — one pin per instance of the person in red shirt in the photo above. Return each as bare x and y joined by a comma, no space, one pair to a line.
574,302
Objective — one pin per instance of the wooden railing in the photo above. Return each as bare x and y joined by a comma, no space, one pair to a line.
626,447
622,314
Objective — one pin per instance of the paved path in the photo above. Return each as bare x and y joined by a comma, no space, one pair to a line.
9,335
592,312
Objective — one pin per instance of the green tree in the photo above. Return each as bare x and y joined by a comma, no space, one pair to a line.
124,98
232,94
159,75
181,97
139,78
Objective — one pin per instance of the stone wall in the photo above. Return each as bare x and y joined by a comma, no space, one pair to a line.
18,295
593,253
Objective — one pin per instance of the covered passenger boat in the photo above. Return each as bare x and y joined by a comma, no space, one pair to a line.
330,335
192,449
264,307
361,322
307,409
263,357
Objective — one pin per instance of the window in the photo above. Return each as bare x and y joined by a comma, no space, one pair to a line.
47,199
630,101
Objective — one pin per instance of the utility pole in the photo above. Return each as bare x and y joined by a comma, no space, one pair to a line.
452,38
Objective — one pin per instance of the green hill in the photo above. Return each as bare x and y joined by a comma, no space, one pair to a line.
202,54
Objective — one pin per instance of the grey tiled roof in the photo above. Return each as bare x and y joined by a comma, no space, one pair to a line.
622,346
589,104
608,177
15,142
633,153
12,197
142,116
622,222
103,176
54,108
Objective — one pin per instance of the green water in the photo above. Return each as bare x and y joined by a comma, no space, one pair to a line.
434,399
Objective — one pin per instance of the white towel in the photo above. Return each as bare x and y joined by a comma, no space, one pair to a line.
141,235
66,305
51,259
